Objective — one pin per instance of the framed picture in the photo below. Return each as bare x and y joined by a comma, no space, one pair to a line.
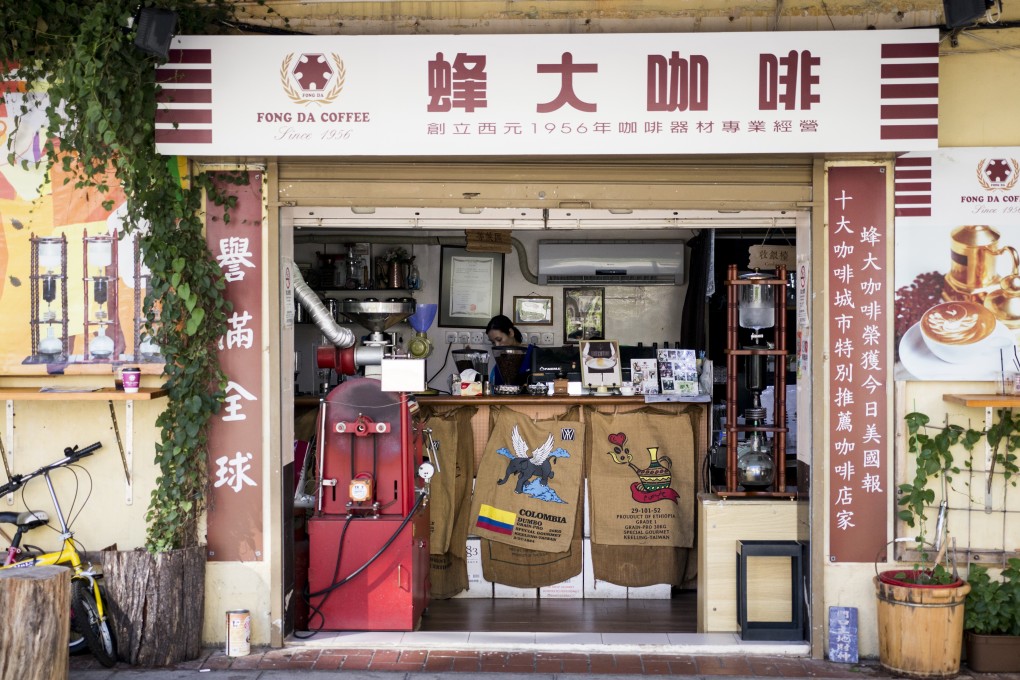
470,287
583,314
533,310
600,364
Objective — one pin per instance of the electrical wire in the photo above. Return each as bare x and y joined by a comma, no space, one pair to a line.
446,360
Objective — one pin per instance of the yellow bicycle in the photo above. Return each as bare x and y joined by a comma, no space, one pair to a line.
89,625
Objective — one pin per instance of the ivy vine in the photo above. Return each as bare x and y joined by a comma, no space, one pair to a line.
100,103
933,449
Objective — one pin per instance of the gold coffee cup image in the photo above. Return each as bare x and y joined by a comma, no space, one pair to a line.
960,332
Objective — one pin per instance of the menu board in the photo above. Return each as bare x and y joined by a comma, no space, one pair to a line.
859,325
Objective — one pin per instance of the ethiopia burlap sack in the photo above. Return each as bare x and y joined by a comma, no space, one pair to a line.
528,482
642,479
449,497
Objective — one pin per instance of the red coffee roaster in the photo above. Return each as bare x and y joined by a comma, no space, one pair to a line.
369,556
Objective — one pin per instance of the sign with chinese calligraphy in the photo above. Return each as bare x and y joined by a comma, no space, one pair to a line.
963,205
479,95
235,433
859,323
843,634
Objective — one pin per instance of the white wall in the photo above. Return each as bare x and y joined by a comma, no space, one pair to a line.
632,313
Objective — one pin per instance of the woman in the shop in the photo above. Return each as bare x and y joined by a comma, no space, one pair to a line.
502,332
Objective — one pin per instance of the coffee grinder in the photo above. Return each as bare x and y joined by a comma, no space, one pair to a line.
757,311
476,359
420,346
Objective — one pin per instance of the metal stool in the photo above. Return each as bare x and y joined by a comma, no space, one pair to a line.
772,630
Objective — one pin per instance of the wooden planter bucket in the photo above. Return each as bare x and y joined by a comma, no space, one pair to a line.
920,628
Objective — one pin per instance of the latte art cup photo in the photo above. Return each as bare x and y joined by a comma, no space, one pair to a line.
960,332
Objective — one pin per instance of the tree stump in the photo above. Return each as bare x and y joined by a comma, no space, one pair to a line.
35,621
157,604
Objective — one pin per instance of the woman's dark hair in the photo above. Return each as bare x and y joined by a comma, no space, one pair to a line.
502,323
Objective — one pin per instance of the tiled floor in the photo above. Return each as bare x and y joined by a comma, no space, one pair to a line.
491,661
717,655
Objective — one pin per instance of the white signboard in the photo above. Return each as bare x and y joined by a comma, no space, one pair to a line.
958,241
472,95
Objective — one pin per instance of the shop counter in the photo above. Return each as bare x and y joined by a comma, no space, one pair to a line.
721,524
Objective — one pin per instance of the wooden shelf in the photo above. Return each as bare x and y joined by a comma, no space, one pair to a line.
984,400
86,394
108,394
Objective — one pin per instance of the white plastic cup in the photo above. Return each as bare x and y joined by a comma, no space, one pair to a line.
131,378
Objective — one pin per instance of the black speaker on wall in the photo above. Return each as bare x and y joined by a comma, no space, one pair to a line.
961,13
155,31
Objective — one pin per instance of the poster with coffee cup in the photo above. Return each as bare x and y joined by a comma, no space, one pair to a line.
957,255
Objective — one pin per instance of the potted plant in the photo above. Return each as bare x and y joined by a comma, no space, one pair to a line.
921,609
928,603
992,619
100,100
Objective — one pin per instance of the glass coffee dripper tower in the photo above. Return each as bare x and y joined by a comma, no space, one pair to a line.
755,466
102,323
48,287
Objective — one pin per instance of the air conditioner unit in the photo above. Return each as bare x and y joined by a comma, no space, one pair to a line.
619,263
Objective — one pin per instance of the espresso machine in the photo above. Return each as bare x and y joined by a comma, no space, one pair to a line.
369,532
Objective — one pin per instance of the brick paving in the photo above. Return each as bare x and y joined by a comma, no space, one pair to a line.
481,661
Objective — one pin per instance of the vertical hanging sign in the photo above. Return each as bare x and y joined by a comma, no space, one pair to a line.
859,327
235,463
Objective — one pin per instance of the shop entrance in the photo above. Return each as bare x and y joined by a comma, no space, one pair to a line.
647,315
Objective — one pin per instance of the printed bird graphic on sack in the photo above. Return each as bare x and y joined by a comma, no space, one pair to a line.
533,468
654,481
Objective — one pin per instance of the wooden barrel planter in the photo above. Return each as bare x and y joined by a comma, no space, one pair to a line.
920,627
157,604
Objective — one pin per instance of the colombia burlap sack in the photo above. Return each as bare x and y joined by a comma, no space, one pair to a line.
450,498
642,479
528,482
526,568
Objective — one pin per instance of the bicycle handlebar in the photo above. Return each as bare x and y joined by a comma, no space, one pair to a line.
78,454
71,455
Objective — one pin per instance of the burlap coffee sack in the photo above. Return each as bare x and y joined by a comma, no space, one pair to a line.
450,486
642,479
447,576
528,482
450,489
525,568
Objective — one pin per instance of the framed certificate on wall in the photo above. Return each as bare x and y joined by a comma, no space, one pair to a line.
470,287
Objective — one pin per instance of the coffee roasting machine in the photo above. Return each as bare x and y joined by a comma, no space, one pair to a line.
368,535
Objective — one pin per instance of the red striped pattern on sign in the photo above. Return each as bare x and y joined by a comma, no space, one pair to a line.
184,114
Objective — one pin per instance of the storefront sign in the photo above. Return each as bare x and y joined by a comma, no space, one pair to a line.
963,205
471,95
856,238
235,434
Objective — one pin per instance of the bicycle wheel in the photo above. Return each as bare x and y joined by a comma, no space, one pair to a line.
97,633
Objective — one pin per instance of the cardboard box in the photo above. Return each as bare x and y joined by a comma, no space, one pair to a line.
571,589
478,587
500,591
660,591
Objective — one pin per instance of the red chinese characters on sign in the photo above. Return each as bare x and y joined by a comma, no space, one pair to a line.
673,83
566,69
859,375
235,528
788,81
460,85
677,83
